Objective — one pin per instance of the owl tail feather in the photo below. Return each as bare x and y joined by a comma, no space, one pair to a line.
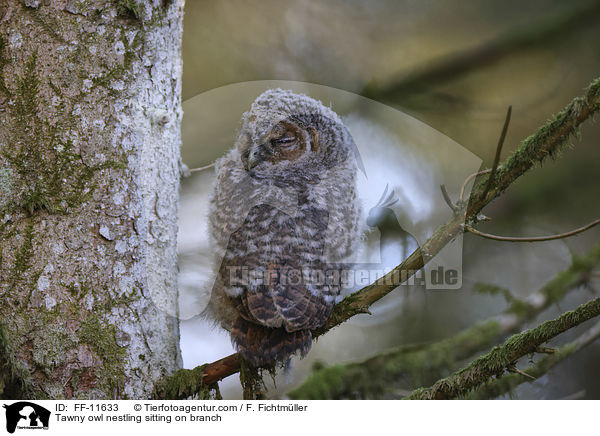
265,346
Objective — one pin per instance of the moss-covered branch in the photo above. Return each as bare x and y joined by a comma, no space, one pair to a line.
377,375
500,386
549,140
502,357
187,384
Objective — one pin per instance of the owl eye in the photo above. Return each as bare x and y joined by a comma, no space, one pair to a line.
284,140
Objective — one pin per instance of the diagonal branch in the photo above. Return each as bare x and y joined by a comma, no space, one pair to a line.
501,386
502,357
548,140
424,365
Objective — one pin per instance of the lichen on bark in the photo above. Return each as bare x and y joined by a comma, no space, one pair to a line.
88,195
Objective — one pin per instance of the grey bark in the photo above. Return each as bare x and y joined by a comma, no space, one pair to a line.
90,112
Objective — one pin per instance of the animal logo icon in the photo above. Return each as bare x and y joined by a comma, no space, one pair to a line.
26,415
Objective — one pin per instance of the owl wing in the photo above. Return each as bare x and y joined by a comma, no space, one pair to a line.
274,256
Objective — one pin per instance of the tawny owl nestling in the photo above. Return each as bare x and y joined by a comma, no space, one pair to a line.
284,211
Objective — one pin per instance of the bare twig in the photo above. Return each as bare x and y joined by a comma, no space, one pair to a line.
467,180
492,170
447,199
498,151
193,170
533,238
579,395
513,368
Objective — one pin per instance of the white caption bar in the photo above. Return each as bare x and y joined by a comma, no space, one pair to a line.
289,418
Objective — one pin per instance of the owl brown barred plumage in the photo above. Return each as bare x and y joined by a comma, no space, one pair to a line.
284,212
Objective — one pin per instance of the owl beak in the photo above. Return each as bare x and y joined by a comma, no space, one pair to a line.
254,158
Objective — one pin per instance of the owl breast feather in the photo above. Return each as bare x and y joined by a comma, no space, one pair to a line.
274,265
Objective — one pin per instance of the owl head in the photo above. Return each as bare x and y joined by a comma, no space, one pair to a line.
292,138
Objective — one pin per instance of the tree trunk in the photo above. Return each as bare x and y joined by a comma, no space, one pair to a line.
90,112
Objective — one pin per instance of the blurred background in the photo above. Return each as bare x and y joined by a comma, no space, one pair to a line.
455,66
